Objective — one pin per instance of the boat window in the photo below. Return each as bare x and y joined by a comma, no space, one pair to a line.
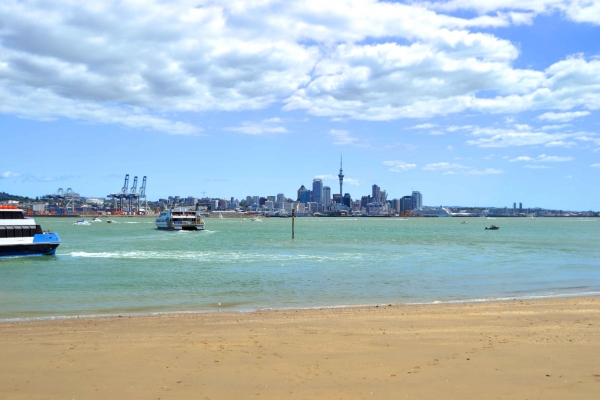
10,231
28,231
2,231
18,231
38,229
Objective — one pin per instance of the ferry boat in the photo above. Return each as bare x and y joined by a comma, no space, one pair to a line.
180,219
20,236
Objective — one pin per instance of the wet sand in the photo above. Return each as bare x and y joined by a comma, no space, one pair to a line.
543,349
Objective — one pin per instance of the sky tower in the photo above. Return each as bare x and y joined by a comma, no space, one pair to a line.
341,176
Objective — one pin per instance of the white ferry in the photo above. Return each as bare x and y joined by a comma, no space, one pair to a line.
20,236
439,212
180,218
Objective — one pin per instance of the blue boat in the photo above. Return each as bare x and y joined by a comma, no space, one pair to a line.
20,236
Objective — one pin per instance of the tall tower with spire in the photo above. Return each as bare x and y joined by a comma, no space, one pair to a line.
341,176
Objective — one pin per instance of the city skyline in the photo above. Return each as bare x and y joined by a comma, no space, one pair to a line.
475,103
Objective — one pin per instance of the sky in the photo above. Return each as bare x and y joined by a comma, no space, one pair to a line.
471,102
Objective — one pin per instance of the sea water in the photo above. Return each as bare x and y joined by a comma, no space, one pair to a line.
129,267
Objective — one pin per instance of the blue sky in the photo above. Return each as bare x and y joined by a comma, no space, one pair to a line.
470,102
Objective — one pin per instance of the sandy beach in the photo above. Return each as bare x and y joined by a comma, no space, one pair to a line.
542,349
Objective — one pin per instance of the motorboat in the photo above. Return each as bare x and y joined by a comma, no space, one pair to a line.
110,221
180,219
492,228
96,219
81,222
20,236
256,219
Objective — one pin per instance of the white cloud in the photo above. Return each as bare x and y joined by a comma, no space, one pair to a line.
563,116
424,126
9,174
139,64
443,166
597,165
266,126
342,137
536,166
520,136
399,166
542,158
455,168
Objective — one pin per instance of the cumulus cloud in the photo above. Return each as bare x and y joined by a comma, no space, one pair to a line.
266,126
140,64
562,117
399,166
522,135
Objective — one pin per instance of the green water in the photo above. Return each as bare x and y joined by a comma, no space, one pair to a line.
130,267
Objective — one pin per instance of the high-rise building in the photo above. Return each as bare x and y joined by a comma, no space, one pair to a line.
317,191
280,198
326,196
305,197
365,200
417,200
347,201
396,205
341,176
337,199
406,203
301,190
376,194
214,204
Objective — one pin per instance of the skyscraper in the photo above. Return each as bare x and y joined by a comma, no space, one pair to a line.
376,194
417,200
317,191
406,203
341,176
301,190
326,196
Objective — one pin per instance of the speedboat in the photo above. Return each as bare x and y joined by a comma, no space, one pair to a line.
256,219
96,219
110,221
81,222
492,228
20,236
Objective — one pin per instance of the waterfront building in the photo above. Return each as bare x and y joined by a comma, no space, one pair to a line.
396,205
301,190
376,193
347,201
305,196
222,204
317,191
271,198
214,204
280,198
417,200
364,201
326,196
269,205
406,203
337,199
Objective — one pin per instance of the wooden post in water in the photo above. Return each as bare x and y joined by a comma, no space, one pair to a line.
293,218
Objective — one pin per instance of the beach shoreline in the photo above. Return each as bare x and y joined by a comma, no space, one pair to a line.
517,349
